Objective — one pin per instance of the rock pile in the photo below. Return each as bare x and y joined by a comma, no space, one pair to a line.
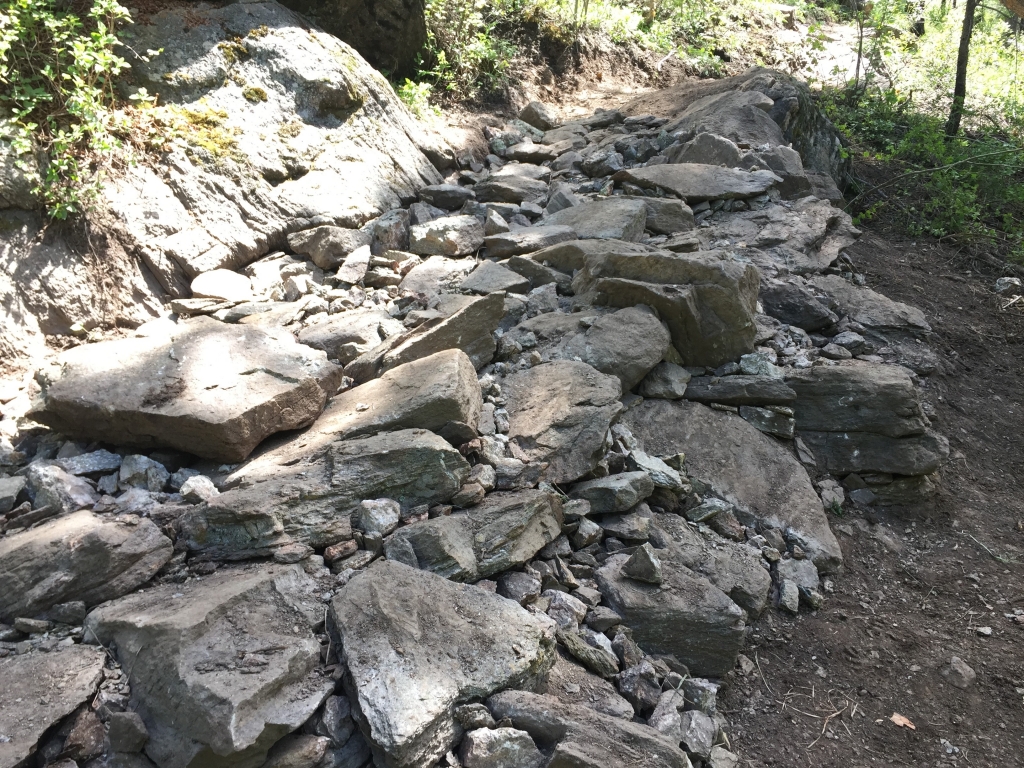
510,468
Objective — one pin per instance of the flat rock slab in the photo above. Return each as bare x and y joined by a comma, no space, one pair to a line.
626,344
306,490
39,690
416,645
617,218
559,413
578,736
423,394
529,240
220,669
212,389
739,390
694,182
857,397
686,615
871,309
505,531
347,335
758,476
840,453
80,556
491,277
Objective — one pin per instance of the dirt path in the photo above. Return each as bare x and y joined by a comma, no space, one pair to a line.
919,583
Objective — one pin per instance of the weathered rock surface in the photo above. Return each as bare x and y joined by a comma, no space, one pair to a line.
138,393
220,669
577,736
613,218
758,476
695,183
306,490
505,531
739,390
345,336
416,645
840,453
38,691
501,246
80,556
626,344
574,684
559,413
871,309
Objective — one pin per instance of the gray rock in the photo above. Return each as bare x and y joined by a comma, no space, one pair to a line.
702,694
494,224
138,393
505,531
461,643
615,493
841,453
567,611
528,240
540,275
631,527
539,115
378,516
297,750
598,660
450,197
580,737
959,674
626,344
50,486
643,565
10,489
198,488
127,732
661,474
518,586
306,490
226,678
40,690
666,381
857,398
667,216
685,616
795,305
603,162
722,758
739,390
510,187
789,596
95,462
327,246
559,413
760,478
354,754
142,472
587,532
499,748
871,309
708,300
572,683
799,572
639,685
447,236
698,733
347,335
79,556
561,197
490,277
694,183
615,218
708,149
768,421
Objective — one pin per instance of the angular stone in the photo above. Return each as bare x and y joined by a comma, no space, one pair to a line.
639,684
598,660
694,183
131,392
739,390
505,531
297,751
223,667
580,737
859,397
840,453
80,556
768,421
643,565
667,216
306,490
871,309
698,733
450,197
626,344
539,115
353,269
40,690
198,488
631,527
795,305
447,236
327,246
685,616
959,673
222,285
559,413
490,277
666,381
510,188
518,586
416,645
499,748
95,462
142,472
570,682
759,477
661,474
615,218
423,394
540,275
10,489
707,299
50,486
346,335
615,493
528,240
127,732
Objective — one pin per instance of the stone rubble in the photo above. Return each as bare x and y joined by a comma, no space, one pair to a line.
495,472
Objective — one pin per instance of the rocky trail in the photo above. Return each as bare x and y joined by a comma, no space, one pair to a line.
615,444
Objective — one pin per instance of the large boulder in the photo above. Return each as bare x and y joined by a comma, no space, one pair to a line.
708,299
416,645
80,556
739,390
306,490
626,344
615,218
220,669
877,313
578,736
345,336
212,389
559,413
695,183
841,453
763,480
39,690
505,531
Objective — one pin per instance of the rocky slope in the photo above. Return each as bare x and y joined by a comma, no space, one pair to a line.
572,418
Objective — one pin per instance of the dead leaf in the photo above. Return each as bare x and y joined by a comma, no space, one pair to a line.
902,721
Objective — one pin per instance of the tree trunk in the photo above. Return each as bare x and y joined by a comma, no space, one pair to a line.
960,88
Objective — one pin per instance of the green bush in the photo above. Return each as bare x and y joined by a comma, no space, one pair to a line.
57,65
